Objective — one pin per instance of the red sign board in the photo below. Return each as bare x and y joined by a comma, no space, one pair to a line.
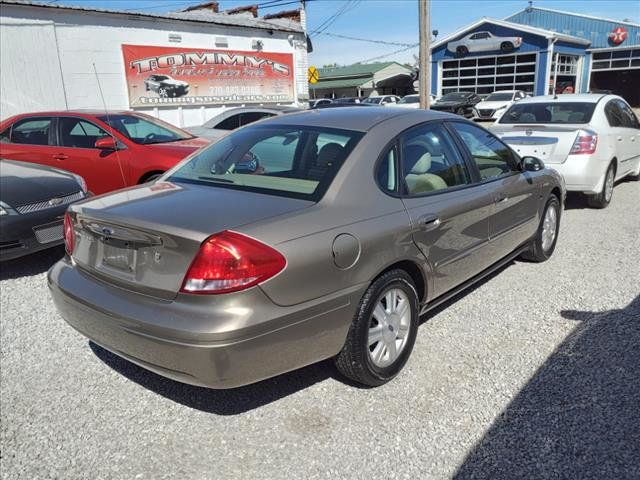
158,76
618,35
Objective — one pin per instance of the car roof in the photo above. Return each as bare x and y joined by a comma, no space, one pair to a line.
566,98
350,118
89,112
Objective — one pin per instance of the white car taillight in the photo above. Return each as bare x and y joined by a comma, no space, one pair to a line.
585,143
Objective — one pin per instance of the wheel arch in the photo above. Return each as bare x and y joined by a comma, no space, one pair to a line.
149,174
414,271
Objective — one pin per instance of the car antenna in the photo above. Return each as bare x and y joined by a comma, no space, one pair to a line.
106,112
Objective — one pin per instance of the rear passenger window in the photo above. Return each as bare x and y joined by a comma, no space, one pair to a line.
614,114
229,123
430,161
31,131
250,117
629,119
492,157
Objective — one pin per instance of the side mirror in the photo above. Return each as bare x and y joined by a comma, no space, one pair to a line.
106,143
532,164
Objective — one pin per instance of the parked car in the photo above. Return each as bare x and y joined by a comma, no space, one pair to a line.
323,253
494,105
593,140
33,199
384,100
110,150
413,101
460,103
165,86
232,118
484,42
349,100
319,101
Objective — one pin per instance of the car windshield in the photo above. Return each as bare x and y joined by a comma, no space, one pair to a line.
455,96
499,97
372,100
162,77
291,161
145,131
557,113
410,99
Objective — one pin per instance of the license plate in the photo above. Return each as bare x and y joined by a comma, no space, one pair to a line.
123,259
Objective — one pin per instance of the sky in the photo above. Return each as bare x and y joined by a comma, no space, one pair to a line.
393,21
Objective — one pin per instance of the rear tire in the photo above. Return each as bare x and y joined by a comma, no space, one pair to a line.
151,178
462,51
460,111
383,331
603,199
544,242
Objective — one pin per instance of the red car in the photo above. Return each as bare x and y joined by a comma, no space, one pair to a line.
110,150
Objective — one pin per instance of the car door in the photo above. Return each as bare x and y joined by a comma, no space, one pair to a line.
515,194
449,211
30,139
631,128
103,170
618,134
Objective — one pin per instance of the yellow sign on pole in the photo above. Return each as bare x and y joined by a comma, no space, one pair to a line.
313,75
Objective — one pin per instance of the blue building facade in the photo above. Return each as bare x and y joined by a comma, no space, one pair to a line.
540,51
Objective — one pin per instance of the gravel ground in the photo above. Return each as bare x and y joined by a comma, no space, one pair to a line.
532,374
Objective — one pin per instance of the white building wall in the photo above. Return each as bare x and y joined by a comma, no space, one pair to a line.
85,39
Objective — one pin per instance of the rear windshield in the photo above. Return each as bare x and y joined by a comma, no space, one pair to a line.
557,113
291,161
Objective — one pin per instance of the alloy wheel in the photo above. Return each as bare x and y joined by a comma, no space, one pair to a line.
549,227
389,327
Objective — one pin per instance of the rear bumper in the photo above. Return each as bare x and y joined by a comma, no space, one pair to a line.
582,173
220,341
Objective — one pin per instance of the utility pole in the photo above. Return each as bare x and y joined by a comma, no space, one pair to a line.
425,52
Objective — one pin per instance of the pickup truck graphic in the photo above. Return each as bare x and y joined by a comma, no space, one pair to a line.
165,86
483,42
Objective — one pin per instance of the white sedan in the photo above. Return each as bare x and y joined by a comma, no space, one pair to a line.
593,140
385,100
412,101
484,42
492,107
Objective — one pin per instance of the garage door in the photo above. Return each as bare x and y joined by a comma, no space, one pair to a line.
617,71
488,74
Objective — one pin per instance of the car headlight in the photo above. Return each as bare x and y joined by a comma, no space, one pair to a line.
81,182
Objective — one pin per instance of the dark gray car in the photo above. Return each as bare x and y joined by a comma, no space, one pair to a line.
304,237
33,199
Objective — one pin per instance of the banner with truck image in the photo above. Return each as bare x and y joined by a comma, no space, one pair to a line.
176,76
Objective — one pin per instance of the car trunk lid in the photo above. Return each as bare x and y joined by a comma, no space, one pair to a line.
144,238
551,144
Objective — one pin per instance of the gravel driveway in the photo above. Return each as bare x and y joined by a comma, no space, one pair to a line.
532,374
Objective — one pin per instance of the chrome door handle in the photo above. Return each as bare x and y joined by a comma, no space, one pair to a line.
61,156
429,222
502,199
619,139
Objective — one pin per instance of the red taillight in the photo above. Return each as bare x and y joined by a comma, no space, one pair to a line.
228,262
585,143
69,234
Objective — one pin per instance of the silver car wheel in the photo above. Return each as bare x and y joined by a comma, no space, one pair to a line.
608,185
389,327
549,227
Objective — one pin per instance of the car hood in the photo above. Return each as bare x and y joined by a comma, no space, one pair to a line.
493,105
177,83
178,149
208,133
22,183
448,104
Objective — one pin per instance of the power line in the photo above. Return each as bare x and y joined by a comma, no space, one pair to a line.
389,54
332,18
381,42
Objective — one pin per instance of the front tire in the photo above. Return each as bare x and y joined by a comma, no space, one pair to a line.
544,242
383,331
163,93
460,111
603,199
506,47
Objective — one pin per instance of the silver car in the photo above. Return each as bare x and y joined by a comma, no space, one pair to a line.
304,237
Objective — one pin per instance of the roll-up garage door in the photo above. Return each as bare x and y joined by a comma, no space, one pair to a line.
488,74
618,72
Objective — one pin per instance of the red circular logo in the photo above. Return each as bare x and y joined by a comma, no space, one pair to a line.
618,35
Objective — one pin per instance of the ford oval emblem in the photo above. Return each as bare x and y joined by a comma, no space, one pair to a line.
55,201
107,231
528,132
